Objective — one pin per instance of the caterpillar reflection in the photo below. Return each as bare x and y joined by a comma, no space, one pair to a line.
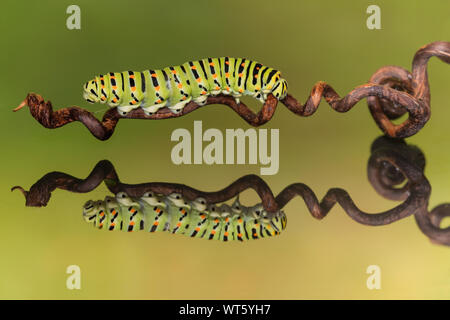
174,214
174,87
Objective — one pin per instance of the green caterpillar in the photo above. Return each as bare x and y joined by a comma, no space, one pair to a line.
174,214
174,87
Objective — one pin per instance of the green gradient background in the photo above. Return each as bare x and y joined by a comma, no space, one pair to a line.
308,41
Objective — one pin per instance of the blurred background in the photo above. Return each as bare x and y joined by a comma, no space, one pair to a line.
308,41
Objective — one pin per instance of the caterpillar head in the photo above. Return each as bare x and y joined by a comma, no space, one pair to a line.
199,204
279,220
270,80
90,210
124,199
178,200
283,219
280,89
91,91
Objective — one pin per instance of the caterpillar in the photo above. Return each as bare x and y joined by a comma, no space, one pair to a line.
154,212
174,87
391,92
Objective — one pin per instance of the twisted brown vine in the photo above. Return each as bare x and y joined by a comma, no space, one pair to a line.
391,92
391,163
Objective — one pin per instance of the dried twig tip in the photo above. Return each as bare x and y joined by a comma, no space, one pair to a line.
24,192
23,104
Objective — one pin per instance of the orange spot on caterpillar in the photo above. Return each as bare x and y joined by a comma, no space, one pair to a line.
154,75
158,210
227,62
199,80
203,216
157,88
240,220
112,77
103,98
239,235
227,74
227,219
179,224
132,223
213,232
112,224
241,90
240,75
226,234
197,229
193,67
204,92
133,89
255,234
114,87
211,64
132,76
155,223
242,64
217,87
115,100
174,71
180,86
158,101
214,75
216,220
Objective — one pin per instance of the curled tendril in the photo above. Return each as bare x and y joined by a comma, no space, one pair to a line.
395,170
391,92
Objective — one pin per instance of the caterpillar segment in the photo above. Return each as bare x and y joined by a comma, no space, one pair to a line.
174,87
174,214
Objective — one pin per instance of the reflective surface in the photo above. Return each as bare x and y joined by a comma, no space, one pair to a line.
311,259
395,170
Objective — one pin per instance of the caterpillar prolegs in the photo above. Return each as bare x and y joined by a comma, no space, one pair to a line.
174,214
174,87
